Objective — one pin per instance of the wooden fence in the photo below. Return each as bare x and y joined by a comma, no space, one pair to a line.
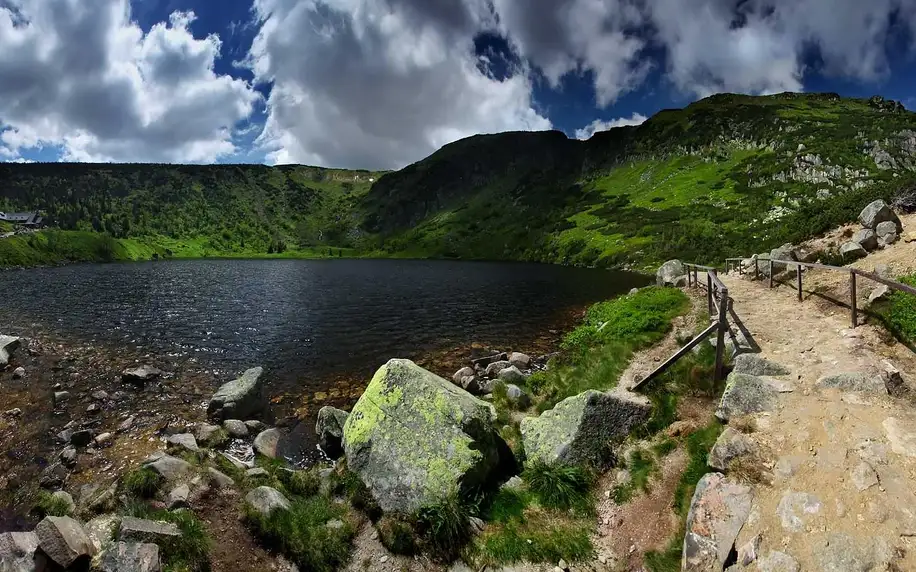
801,266
718,302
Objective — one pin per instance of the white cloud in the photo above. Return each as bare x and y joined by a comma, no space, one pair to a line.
81,75
598,125
378,84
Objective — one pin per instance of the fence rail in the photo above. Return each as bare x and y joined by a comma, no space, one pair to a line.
800,266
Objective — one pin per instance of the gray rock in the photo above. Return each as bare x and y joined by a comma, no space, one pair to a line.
887,229
81,438
329,428
8,347
730,445
901,436
866,238
64,540
139,376
100,395
240,398
777,562
171,468
102,529
718,510
95,499
852,382
266,443
68,456
206,434
876,213
745,394
236,428
64,498
752,364
414,438
520,360
19,553
218,479
474,385
784,252
796,509
61,397
864,476
265,500
487,360
747,553
578,429
183,441
127,424
178,497
843,553
104,439
255,426
512,375
852,251
142,530
880,292
494,369
883,270
19,373
240,465
461,374
671,273
131,557
517,396
53,476
257,473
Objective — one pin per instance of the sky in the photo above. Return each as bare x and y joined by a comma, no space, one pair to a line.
380,84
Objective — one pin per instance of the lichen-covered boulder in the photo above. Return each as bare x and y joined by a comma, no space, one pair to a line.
866,238
745,394
755,365
8,346
718,511
240,398
329,428
580,428
851,251
876,213
671,273
414,438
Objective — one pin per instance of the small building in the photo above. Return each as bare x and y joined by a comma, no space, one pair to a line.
31,220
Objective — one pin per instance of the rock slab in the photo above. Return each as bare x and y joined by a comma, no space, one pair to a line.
139,376
142,530
745,394
64,540
718,510
240,398
751,364
18,553
131,557
579,429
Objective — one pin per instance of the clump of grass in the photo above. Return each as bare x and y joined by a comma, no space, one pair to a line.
668,560
188,552
347,483
302,533
664,447
446,526
641,466
898,313
49,505
507,504
559,486
397,536
743,423
748,469
225,466
699,443
302,483
539,537
142,483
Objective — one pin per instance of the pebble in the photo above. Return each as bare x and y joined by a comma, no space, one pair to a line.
562,564
383,559
14,412
19,373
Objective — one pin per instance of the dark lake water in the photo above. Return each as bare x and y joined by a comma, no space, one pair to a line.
304,321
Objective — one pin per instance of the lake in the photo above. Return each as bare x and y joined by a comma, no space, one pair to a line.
307,322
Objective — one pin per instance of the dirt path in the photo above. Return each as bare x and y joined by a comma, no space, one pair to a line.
843,466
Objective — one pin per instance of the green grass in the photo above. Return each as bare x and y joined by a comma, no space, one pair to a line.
898,312
445,526
302,534
699,443
188,552
142,483
47,505
537,537
559,486
346,483
397,536
642,467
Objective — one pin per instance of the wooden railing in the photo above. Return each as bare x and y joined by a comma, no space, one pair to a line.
718,301
853,272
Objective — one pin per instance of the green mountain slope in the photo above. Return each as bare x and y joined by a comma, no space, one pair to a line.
725,176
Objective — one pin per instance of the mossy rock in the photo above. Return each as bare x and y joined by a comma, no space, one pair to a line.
415,438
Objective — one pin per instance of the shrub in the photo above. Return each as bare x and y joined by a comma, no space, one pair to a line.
559,486
446,526
302,533
142,482
397,536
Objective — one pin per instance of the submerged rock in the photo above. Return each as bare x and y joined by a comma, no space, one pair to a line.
139,376
240,398
414,438
329,428
718,510
745,394
579,428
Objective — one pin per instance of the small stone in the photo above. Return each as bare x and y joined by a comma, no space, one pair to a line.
178,497
864,476
265,500
61,397
53,476
93,408
104,439
142,530
383,559
563,565
218,479
795,508
81,438
139,376
255,426
19,372
170,468
68,456
15,412
236,428
127,424
100,395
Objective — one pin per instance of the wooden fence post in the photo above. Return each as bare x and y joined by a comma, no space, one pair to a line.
771,273
688,277
799,273
756,269
852,292
709,291
720,338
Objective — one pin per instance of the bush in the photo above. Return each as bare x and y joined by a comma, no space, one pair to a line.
142,483
446,526
559,486
302,533
397,536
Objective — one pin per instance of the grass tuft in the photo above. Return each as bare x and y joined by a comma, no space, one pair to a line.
641,466
560,486
699,443
142,483
446,526
397,536
187,552
49,505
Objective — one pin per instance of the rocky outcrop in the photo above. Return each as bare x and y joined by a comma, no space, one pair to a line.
866,238
579,429
329,428
240,398
718,510
876,213
671,273
414,438
8,347
752,364
131,557
265,500
745,394
64,540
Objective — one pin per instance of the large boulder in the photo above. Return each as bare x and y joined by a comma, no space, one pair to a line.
8,346
852,251
414,438
784,252
329,428
64,540
131,557
752,364
718,510
876,213
240,398
19,553
671,273
866,238
745,394
887,232
579,429
730,446
265,500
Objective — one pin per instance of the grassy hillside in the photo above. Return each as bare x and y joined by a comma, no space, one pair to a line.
725,176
